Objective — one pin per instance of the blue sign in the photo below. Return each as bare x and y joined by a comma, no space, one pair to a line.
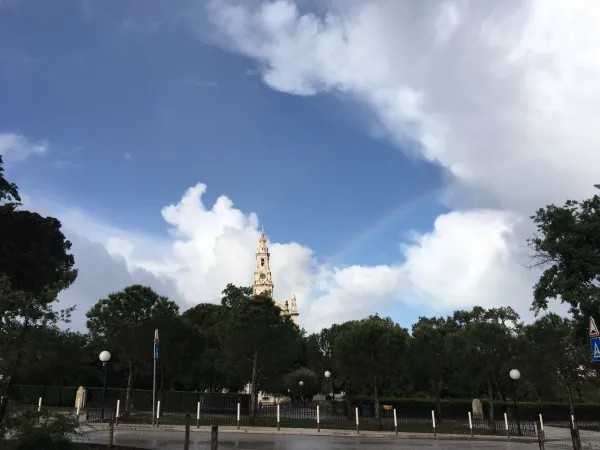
156,351
595,348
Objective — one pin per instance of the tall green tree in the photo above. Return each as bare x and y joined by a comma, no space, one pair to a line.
369,353
125,322
35,266
567,246
262,344
432,354
557,353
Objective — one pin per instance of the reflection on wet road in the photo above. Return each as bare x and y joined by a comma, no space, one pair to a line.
155,439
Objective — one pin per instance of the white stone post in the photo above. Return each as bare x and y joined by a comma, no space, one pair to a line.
470,424
198,415
433,422
318,419
157,412
118,411
356,413
278,417
395,422
239,407
506,425
40,404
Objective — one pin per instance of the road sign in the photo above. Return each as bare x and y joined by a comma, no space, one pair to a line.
595,348
593,329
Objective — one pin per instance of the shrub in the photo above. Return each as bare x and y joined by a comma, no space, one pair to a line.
29,429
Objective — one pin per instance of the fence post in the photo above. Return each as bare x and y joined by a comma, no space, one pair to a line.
198,415
118,411
239,407
470,424
395,422
318,420
111,434
40,404
186,439
278,425
356,412
540,438
433,422
506,425
543,434
214,438
157,412
575,434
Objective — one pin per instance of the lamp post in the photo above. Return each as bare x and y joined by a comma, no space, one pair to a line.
330,387
515,375
301,383
104,357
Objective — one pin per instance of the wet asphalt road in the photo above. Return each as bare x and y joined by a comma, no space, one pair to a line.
239,441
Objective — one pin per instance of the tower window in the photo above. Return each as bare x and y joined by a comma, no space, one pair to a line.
262,261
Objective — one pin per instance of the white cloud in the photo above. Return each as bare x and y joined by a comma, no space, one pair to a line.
208,248
501,94
16,147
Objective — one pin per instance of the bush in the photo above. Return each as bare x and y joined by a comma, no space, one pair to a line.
29,429
411,407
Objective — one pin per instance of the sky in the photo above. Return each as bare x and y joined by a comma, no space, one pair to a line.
394,150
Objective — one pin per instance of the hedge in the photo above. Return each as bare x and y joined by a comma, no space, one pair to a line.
550,411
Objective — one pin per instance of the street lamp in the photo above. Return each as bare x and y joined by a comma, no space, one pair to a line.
301,383
104,357
515,375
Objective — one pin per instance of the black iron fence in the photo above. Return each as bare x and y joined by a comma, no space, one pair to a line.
316,415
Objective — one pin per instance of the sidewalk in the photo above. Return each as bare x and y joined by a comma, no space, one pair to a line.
314,432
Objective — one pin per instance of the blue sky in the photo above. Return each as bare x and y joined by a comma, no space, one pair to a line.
143,100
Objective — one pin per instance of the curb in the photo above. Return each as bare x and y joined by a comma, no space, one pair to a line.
331,433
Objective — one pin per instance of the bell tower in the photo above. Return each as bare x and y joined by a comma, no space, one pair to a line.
262,273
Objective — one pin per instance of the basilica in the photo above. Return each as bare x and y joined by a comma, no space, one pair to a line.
263,281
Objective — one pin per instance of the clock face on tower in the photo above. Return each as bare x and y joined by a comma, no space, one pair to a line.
262,276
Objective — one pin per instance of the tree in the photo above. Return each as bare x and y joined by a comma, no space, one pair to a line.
556,354
125,322
369,353
262,345
8,191
212,368
431,352
35,266
486,341
567,245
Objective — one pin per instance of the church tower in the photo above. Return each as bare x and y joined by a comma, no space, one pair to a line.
262,273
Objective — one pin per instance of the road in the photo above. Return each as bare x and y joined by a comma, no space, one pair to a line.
155,439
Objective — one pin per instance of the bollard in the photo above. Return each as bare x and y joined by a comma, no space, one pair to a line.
78,407
542,432
395,422
278,425
157,412
214,438
238,415
356,412
433,422
318,420
470,424
540,438
198,415
111,434
186,438
40,404
575,434
506,425
118,412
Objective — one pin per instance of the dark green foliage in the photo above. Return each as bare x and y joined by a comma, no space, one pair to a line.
567,246
33,430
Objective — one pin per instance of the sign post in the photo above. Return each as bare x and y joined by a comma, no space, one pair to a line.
154,375
594,335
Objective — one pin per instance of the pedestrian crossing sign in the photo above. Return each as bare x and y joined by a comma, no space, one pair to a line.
595,348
